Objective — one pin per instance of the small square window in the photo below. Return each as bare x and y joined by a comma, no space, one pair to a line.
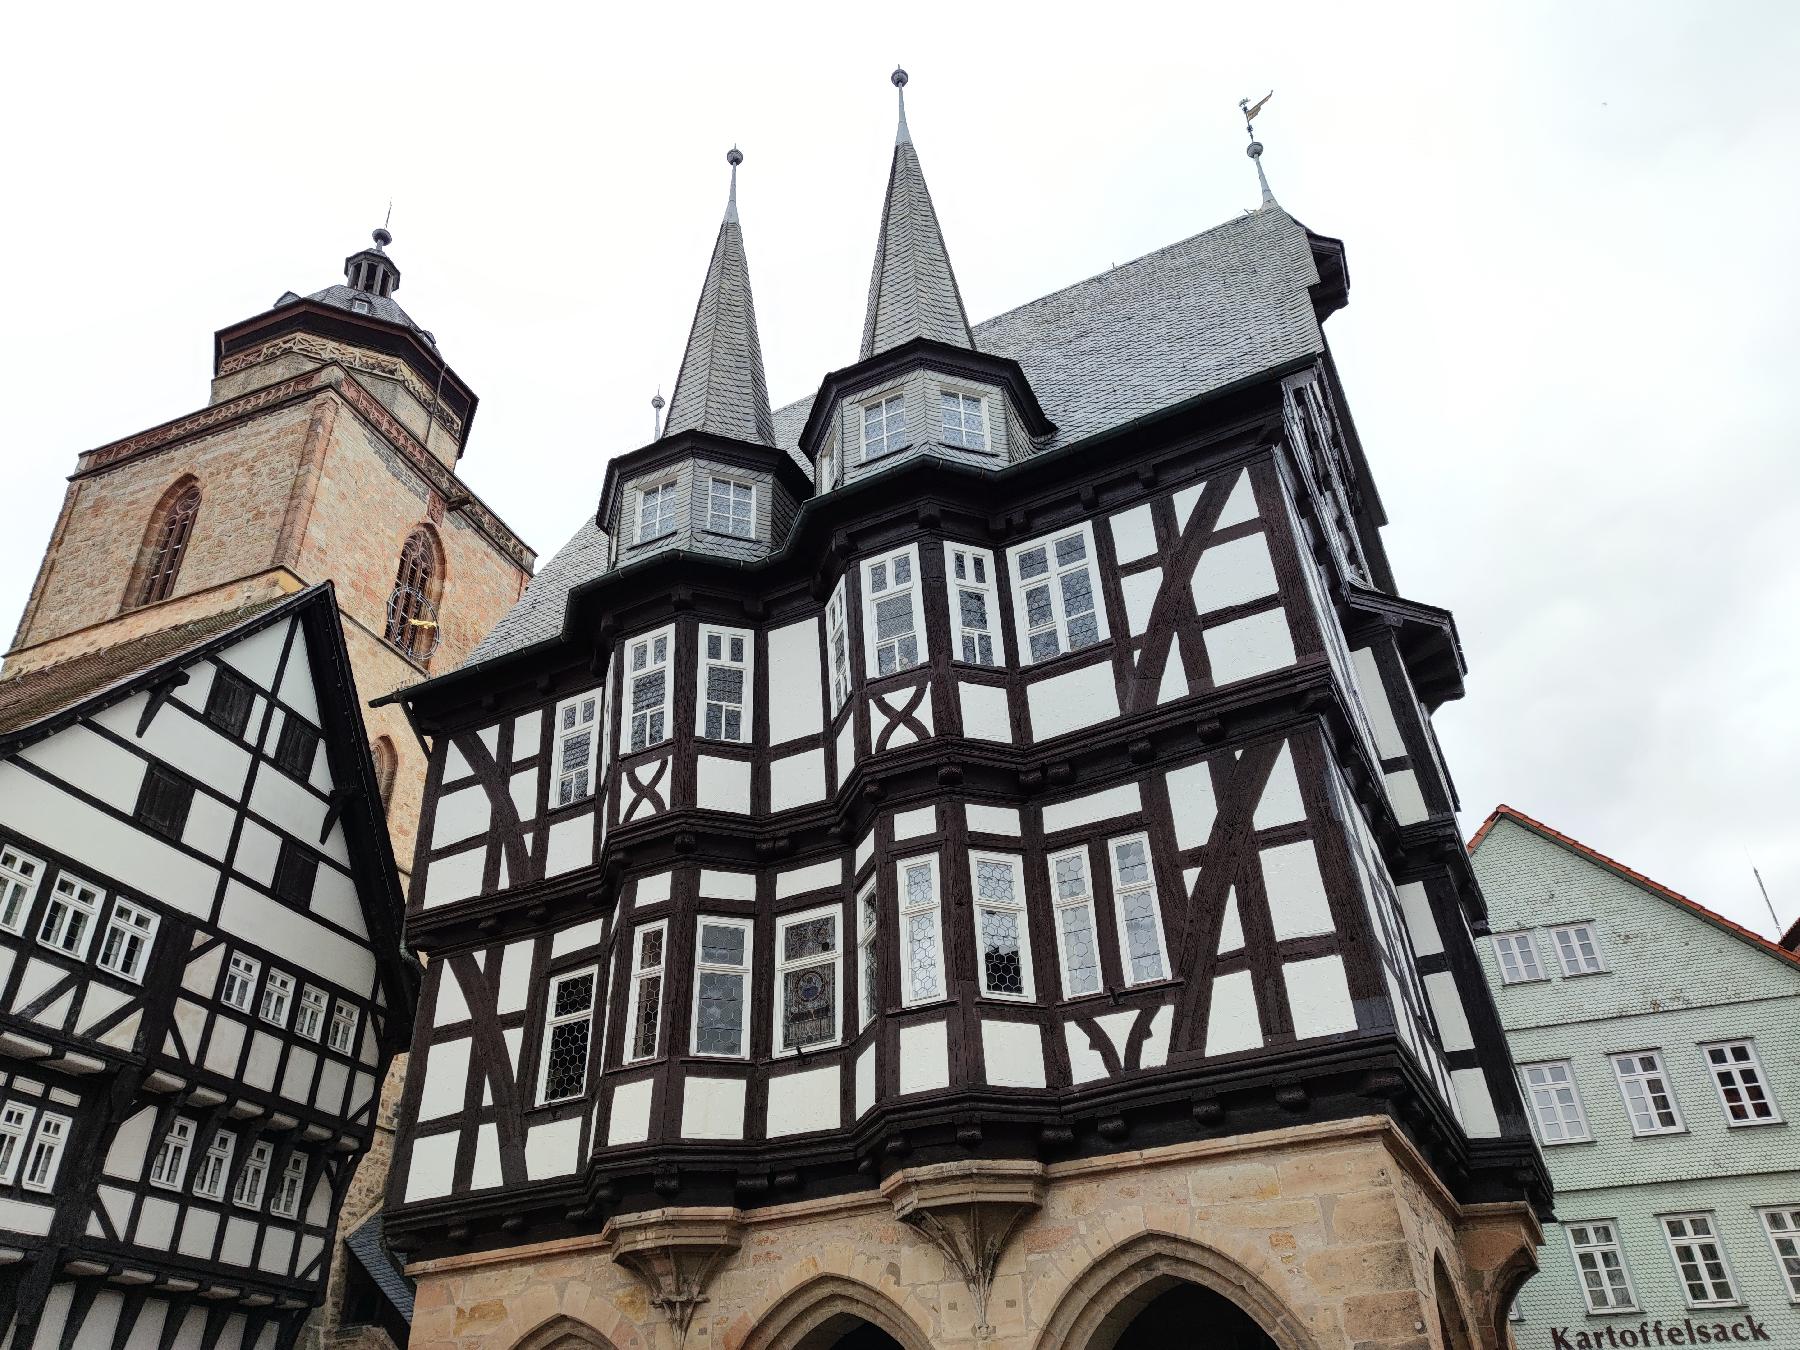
295,747
163,802
883,427
228,702
731,508
1518,955
1578,949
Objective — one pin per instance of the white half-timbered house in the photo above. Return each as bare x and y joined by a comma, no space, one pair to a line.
201,981
1018,750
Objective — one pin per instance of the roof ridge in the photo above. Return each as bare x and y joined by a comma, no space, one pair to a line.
1587,851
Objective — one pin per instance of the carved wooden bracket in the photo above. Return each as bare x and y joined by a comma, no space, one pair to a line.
674,1253
968,1211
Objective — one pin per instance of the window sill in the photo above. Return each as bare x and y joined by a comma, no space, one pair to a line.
627,755
669,533
1581,974
1566,1143
1064,658
553,809
1659,1134
751,538
1753,1124
893,677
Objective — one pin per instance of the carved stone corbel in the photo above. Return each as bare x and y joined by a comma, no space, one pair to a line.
674,1253
968,1211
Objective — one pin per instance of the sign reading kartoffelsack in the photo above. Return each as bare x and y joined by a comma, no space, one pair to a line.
1661,1333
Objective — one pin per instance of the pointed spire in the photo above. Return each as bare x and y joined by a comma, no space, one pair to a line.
1254,149
721,388
912,290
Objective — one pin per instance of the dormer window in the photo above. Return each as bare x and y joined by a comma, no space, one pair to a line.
656,511
883,426
731,508
964,419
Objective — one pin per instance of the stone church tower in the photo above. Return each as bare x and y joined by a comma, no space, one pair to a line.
327,451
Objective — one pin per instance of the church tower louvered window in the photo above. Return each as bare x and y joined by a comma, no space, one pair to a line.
169,535
412,611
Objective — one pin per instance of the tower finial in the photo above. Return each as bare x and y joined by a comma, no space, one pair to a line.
733,157
656,407
901,135
381,236
1254,149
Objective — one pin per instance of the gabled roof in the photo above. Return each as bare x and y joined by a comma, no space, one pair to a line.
1636,878
912,290
721,388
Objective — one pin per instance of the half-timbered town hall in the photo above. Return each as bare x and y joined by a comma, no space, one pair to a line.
963,859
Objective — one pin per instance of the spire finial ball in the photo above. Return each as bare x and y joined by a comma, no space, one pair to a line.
381,237
1254,150
734,157
899,78
657,401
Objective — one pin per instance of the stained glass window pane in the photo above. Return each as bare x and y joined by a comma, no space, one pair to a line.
1001,962
815,937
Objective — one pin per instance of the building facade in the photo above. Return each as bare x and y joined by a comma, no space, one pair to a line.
963,859
327,452
201,981
1658,1047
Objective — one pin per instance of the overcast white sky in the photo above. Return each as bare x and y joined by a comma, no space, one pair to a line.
1570,347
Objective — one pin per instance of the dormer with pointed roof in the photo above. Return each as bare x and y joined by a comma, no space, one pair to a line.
713,481
920,387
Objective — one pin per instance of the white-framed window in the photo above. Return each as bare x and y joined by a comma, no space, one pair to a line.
342,1037
240,982
962,419
572,756
568,1033
130,933
921,931
1699,1260
1077,943
1782,1224
647,688
1555,1104
643,1029
1140,916
893,618
825,468
1518,957
1649,1100
309,1022
286,1203
254,1177
1578,949
46,1153
722,988
974,610
808,959
883,426
722,711
658,504
868,954
171,1160
15,1127
69,918
1056,602
19,877
731,508
837,638
1743,1090
1600,1263
1002,935
209,1181
277,998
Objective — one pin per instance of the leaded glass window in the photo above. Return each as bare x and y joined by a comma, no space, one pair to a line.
1054,601
963,419
837,632
922,977
974,612
893,626
647,679
724,684
731,508
1140,916
883,426
868,957
722,987
656,510
1076,943
646,992
807,957
577,732
1001,932
568,1032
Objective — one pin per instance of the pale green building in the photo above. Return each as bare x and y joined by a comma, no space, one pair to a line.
1658,1050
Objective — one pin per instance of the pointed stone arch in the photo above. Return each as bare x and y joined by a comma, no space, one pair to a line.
1096,1309
1453,1320
816,1314
165,544
563,1332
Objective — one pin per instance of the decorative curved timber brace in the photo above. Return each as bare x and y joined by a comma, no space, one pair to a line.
969,1212
674,1253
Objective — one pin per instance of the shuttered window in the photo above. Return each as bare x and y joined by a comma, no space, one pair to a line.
228,702
163,802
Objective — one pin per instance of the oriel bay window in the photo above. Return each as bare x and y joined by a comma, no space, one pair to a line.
723,708
893,619
647,688
808,956
974,613
721,987
1001,932
921,934
1076,945
643,1026
1140,916
572,755
568,1032
1056,605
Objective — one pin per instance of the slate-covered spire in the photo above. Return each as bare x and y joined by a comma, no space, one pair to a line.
912,291
721,388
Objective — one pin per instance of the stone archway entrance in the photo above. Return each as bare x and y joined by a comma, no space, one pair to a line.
848,1333
1183,1314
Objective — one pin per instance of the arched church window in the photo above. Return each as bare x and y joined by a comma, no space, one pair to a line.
412,624
387,764
166,545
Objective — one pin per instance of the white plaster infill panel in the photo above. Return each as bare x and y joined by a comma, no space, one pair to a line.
984,712
796,679
1072,699
722,784
1233,573
797,780
712,1108
433,1166
924,1057
1108,804
1250,646
804,1102
1013,1052
552,1149
630,1122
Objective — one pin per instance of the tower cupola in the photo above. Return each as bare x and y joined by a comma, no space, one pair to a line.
371,270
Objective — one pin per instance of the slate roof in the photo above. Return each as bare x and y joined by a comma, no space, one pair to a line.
721,387
30,698
381,307
1198,316
369,1246
912,290
1656,888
